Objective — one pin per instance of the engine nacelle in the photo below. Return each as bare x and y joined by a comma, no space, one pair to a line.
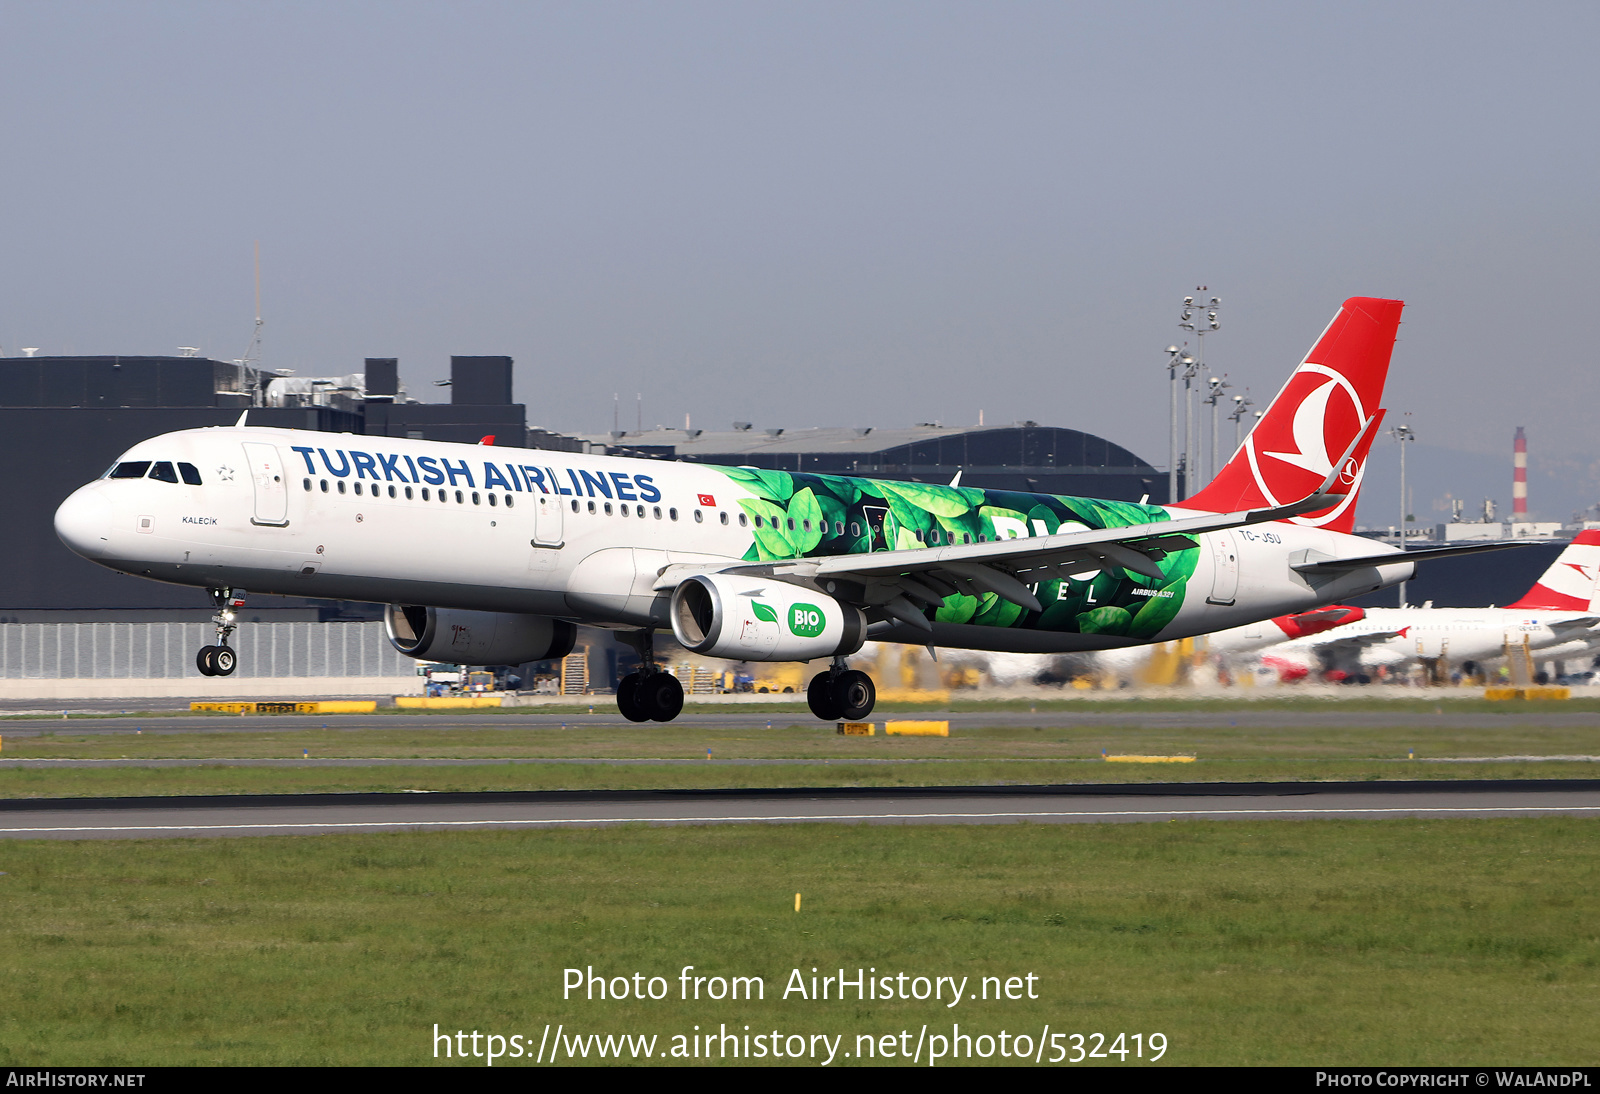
762,619
476,638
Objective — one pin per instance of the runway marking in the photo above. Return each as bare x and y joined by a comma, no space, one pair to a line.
813,817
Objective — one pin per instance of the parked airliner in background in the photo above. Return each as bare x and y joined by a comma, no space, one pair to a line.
492,555
1248,639
1558,618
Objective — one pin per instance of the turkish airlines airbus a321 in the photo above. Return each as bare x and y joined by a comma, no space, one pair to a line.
492,555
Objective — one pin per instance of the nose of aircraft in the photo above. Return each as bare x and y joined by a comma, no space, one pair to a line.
84,521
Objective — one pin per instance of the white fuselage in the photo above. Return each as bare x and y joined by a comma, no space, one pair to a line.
577,537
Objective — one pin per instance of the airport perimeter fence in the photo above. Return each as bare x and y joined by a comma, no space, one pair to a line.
46,651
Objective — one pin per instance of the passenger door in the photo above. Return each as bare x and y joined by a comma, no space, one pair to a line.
272,492
1225,568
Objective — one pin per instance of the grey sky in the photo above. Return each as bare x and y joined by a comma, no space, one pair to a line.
825,213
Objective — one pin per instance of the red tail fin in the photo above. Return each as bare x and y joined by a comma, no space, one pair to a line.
1313,419
1569,584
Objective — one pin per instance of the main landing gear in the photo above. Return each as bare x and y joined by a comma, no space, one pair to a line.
651,694
220,659
841,694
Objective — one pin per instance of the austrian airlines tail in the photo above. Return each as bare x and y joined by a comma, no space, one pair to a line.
1572,583
1314,420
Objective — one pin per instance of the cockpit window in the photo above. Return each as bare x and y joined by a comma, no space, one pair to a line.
164,472
191,473
133,469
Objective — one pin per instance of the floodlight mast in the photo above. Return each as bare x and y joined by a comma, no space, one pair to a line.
1177,361
1403,433
1200,325
1240,402
1215,386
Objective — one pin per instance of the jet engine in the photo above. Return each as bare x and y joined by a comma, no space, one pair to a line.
476,638
757,619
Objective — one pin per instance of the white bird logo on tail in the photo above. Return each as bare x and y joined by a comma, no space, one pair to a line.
1309,437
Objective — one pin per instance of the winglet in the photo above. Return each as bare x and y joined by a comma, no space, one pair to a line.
242,417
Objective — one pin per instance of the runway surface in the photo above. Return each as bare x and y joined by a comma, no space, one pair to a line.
144,818
606,716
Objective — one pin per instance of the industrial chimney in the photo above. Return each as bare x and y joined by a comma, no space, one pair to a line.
1519,479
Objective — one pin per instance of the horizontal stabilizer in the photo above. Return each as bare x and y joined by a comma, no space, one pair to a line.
1427,554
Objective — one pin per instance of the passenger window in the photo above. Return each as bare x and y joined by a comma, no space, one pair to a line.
164,472
475,497
358,488
134,469
639,512
191,474
838,527
743,520
672,514
408,493
425,495
574,505
391,491
657,511
724,517
591,507
341,486
508,501
324,486
698,518
608,508
493,499
855,529
459,499
307,484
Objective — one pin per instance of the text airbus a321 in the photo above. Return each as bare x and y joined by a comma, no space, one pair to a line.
494,556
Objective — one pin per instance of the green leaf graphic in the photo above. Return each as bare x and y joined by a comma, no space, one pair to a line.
995,612
941,501
956,609
771,538
1157,612
846,490
1107,620
775,485
804,511
1009,518
763,612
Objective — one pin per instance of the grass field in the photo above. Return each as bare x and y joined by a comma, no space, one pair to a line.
1395,942
1398,702
817,757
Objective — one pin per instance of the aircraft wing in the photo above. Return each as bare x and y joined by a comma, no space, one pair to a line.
899,581
1360,641
1577,623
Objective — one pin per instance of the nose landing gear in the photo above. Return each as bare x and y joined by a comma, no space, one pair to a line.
651,694
841,694
221,659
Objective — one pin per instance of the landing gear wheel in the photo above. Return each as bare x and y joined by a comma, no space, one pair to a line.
855,694
628,698
203,661
661,697
822,699
224,660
